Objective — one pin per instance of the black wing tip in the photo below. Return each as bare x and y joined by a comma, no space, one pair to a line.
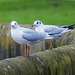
72,26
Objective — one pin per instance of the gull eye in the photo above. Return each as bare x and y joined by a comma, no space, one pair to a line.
37,22
40,22
15,23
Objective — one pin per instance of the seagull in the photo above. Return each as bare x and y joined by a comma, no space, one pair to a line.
26,36
53,31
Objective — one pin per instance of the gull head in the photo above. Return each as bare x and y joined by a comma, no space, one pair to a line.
14,25
37,23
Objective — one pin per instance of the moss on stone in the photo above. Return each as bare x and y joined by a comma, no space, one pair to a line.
58,61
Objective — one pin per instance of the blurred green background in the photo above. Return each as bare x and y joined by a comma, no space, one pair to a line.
27,11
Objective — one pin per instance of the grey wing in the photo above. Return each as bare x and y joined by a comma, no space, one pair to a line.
56,31
53,29
62,33
33,36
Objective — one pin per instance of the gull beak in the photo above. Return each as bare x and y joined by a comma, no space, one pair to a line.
12,25
32,25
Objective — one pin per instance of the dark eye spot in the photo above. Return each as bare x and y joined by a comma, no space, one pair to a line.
37,22
40,22
15,23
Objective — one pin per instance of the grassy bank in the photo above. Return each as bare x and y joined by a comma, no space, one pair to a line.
27,11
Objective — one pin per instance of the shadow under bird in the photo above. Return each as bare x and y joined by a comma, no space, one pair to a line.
53,31
27,36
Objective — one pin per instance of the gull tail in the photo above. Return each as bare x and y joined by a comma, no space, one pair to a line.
69,27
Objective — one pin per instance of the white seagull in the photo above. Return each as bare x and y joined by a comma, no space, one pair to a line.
53,31
27,36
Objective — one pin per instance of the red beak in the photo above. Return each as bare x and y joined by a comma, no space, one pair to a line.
33,26
13,26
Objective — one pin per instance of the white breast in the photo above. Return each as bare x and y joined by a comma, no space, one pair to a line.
17,37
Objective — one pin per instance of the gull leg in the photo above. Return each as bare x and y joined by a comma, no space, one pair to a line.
28,50
50,44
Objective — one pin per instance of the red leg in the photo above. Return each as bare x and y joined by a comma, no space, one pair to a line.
28,50
50,45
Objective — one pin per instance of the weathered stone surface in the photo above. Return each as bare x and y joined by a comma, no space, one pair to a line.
59,61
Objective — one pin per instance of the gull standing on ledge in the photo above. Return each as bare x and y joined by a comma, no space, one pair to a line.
53,31
27,36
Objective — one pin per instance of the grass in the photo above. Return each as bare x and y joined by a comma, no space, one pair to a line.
27,11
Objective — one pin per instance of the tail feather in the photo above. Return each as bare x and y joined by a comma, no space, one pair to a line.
70,27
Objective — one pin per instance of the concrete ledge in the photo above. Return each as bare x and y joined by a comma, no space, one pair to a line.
59,61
